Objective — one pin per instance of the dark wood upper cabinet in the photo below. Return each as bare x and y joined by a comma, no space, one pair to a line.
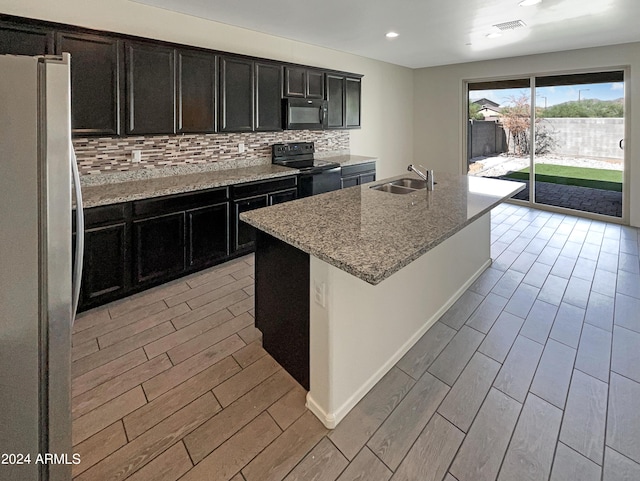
335,101
25,40
124,85
315,84
352,102
268,98
196,92
96,70
343,101
236,95
150,89
295,82
303,82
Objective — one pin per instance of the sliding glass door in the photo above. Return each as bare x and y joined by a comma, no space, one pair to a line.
560,134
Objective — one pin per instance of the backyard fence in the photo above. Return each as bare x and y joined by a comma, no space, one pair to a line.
486,137
587,137
579,137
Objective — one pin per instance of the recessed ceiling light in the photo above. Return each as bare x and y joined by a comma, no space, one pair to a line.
528,3
494,35
391,35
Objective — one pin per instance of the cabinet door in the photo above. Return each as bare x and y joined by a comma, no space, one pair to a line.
295,82
335,101
236,95
150,89
196,88
353,102
350,181
25,40
207,234
366,178
106,268
315,84
283,196
245,235
159,247
268,97
95,82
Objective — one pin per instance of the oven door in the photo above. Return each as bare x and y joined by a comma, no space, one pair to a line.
304,114
318,181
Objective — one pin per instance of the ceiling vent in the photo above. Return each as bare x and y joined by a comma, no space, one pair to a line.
512,25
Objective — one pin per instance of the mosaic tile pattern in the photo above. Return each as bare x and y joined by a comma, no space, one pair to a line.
113,154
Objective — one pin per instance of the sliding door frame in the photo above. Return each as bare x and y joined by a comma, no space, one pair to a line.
626,178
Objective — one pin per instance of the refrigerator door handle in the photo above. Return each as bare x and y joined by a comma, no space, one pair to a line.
77,268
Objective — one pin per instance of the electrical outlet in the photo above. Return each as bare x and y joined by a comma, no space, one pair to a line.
136,156
320,293
241,148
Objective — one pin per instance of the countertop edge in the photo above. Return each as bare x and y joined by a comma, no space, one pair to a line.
377,277
186,188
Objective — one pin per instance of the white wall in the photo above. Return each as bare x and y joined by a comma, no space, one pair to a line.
438,138
387,90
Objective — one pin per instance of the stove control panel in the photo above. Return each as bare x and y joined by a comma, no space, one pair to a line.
292,149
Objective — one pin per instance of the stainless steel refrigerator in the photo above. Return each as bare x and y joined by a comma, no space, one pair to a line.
39,285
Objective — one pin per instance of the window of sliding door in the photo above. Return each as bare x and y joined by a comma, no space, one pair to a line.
562,135
498,129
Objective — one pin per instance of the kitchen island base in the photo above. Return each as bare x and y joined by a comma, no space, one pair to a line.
357,331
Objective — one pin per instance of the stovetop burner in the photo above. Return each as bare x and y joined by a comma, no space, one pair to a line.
299,155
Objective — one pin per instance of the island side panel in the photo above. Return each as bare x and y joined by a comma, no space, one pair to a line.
364,329
282,304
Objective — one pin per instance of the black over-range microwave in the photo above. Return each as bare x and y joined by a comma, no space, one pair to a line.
301,114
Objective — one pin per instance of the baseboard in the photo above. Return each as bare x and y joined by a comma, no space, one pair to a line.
331,420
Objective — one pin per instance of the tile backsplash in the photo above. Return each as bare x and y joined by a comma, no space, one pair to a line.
100,155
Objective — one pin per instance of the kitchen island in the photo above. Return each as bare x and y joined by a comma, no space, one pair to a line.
348,281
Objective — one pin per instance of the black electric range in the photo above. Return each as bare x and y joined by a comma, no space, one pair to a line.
316,175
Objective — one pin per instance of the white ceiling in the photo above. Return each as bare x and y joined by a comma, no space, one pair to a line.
431,32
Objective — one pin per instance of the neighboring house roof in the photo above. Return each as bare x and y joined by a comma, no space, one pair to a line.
487,104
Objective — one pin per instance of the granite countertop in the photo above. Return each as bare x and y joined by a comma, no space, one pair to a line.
372,234
115,192
112,188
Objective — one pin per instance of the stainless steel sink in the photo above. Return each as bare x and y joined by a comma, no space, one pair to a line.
410,183
393,189
402,186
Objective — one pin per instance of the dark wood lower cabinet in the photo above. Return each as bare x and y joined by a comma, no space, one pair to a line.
350,181
159,247
245,235
132,246
283,196
207,235
282,273
106,273
359,174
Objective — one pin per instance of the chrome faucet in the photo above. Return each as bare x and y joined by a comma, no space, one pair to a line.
427,176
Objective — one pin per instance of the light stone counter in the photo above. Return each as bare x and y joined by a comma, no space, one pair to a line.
331,258
366,273
372,234
115,192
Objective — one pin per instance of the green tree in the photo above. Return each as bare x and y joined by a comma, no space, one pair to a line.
474,111
585,108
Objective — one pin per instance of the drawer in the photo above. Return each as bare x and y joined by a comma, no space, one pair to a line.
251,189
179,202
358,169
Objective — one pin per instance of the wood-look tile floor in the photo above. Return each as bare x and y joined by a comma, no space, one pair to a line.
534,374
